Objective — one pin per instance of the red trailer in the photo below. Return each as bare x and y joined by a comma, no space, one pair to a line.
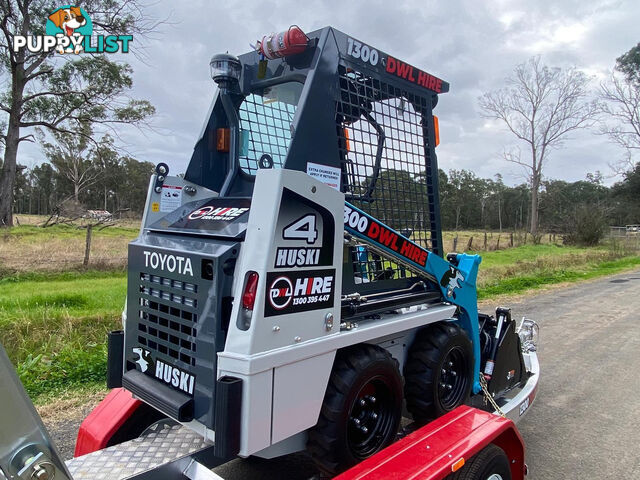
465,444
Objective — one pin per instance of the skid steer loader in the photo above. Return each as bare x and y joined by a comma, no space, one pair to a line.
289,292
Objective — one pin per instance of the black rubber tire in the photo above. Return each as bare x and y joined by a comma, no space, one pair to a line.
427,369
490,461
336,443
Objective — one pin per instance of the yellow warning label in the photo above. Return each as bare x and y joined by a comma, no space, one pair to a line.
155,207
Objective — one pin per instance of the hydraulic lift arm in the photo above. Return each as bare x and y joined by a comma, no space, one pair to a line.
456,281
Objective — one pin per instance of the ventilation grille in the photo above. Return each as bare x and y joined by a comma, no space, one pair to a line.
167,318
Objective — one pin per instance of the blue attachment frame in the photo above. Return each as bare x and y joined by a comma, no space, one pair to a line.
457,283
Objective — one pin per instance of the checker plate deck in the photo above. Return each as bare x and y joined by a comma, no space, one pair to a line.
168,443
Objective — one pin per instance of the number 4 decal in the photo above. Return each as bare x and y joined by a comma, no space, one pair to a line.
302,228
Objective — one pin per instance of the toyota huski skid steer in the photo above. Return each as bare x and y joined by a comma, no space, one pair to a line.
290,292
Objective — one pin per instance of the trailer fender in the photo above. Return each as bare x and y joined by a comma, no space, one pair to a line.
104,421
442,447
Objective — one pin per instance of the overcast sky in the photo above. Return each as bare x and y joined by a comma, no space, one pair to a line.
473,45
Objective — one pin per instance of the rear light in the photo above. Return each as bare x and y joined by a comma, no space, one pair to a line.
436,128
250,289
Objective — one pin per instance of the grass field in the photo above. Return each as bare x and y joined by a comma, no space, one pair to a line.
29,248
54,315
532,266
54,326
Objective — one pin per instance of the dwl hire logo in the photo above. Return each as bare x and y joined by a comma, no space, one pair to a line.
68,30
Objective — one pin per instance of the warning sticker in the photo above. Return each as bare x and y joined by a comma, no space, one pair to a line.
170,198
325,174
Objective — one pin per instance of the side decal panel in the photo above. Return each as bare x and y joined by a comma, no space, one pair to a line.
299,291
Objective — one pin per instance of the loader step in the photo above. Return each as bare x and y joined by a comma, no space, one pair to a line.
170,442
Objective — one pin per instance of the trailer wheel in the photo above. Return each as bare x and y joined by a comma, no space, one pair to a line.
361,411
438,371
490,464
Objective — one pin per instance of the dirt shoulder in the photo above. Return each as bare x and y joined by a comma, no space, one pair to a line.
63,417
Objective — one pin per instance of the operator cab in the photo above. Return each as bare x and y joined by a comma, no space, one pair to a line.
347,114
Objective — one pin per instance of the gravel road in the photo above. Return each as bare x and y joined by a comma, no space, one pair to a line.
585,423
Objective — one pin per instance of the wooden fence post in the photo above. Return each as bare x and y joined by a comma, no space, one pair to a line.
455,244
485,240
87,246
498,244
470,243
511,239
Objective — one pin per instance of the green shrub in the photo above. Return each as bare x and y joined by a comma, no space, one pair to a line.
587,226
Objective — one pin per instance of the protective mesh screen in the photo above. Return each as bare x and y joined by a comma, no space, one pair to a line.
265,124
384,149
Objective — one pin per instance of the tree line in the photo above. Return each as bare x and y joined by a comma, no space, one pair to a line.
96,177
471,202
102,180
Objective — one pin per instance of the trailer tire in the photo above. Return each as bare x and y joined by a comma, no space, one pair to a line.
491,463
438,372
361,410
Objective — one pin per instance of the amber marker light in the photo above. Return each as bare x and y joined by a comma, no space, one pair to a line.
459,463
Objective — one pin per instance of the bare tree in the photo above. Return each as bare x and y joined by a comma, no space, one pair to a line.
71,157
620,107
540,105
39,89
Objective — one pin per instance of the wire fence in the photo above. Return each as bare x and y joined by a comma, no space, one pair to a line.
630,231
627,237
487,241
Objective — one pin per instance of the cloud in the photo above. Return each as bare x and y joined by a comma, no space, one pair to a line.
473,45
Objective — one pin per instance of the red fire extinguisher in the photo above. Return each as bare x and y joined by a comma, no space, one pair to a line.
283,44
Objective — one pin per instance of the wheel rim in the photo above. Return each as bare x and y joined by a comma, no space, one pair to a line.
370,417
452,381
495,476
